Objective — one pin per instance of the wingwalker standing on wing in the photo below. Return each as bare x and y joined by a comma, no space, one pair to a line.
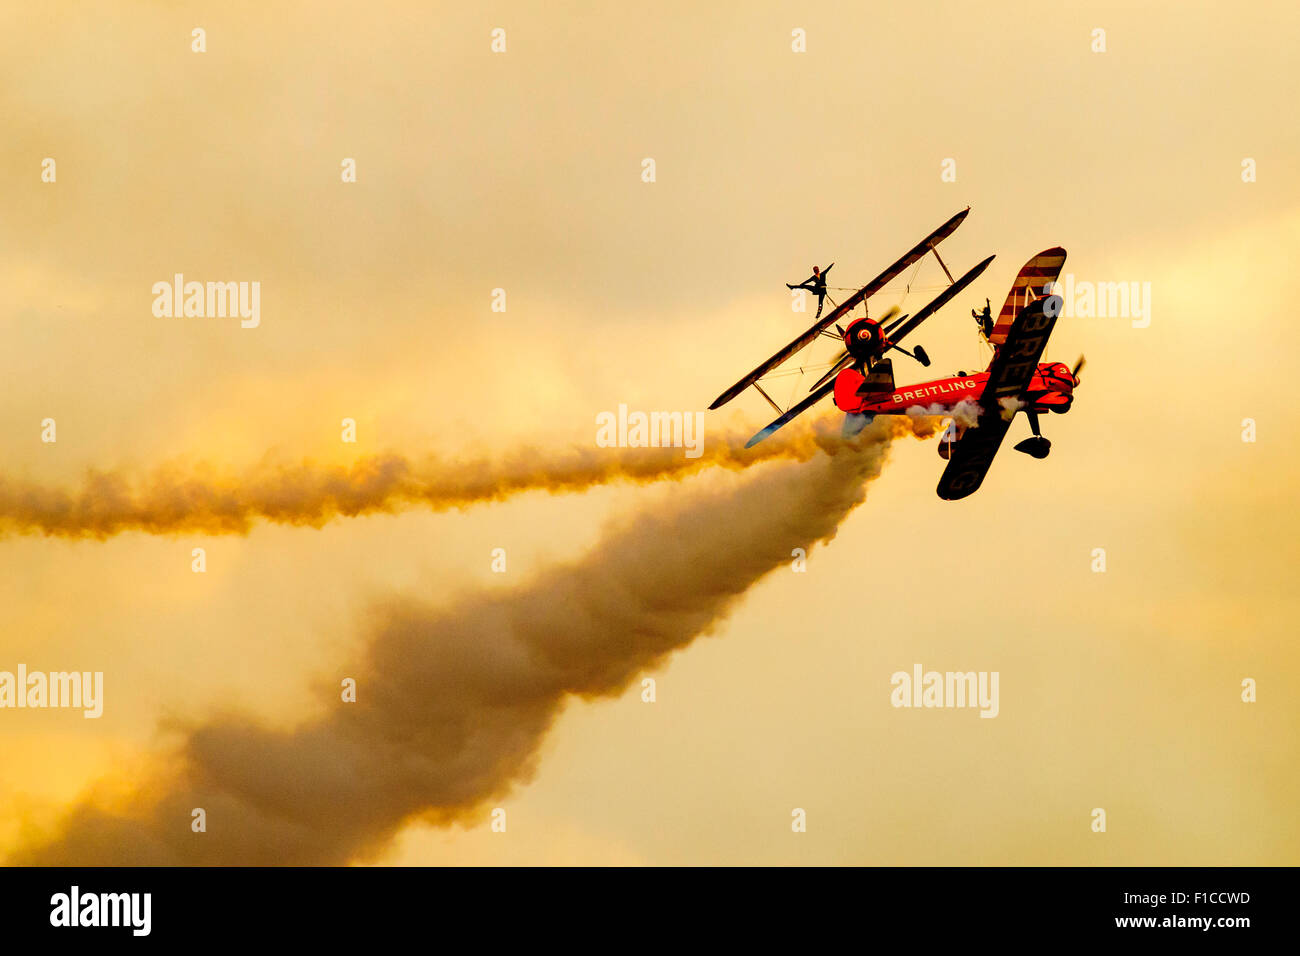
862,379
984,320
816,284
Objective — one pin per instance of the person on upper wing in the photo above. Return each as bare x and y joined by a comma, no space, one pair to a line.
984,319
816,284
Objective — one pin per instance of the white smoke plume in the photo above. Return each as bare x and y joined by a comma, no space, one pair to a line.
174,500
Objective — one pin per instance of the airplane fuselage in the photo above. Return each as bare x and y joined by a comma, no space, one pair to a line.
1051,387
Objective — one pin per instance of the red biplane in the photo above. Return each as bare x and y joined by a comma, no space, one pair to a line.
981,406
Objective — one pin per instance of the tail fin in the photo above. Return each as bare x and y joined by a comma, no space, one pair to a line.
853,390
880,379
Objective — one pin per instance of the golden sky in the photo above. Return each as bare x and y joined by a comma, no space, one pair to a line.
522,170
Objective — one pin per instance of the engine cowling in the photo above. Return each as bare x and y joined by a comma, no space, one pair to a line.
863,339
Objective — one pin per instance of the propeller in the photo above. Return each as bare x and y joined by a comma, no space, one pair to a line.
1078,367
845,358
893,326
841,360
888,318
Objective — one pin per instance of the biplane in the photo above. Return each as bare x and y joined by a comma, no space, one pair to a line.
982,405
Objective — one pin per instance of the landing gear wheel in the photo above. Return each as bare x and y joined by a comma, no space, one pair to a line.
1036,447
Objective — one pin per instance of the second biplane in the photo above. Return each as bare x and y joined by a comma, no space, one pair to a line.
981,405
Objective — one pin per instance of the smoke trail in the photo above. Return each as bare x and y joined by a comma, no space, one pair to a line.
454,702
171,500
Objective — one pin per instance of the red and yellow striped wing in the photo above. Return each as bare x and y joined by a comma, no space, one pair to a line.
1038,272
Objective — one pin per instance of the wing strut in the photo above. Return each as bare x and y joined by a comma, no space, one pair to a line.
778,408
794,412
941,265
897,331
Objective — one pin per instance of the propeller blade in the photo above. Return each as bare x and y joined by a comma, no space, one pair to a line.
841,360
1078,367
893,318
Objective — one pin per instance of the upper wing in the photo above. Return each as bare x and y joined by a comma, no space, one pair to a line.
1009,375
847,306
1037,273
